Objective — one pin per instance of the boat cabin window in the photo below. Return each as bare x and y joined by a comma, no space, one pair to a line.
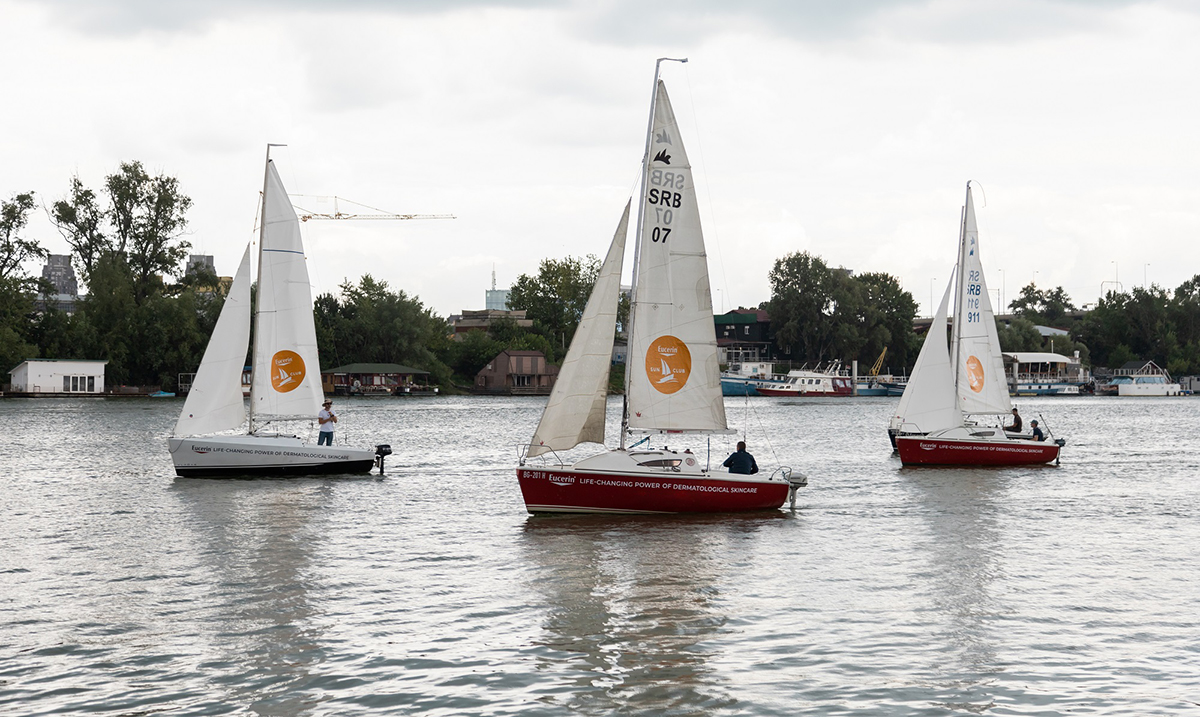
662,463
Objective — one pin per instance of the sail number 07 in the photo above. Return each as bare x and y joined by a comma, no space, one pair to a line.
664,201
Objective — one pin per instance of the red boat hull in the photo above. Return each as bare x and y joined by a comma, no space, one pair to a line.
922,451
563,490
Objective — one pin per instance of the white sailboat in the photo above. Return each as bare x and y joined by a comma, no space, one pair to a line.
955,392
286,380
672,379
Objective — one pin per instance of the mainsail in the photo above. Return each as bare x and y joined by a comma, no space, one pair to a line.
287,374
214,402
576,409
979,365
929,403
673,377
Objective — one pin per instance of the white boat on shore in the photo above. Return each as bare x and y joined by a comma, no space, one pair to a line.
1044,374
1138,378
812,383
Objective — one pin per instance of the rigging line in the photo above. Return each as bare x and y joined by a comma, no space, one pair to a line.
766,436
712,213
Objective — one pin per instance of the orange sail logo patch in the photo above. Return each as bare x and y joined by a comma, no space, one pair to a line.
668,364
287,371
974,374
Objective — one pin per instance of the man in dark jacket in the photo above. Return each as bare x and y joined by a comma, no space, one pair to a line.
741,461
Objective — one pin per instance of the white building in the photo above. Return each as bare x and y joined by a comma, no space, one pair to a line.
58,376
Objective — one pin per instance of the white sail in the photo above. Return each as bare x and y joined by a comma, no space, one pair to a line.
576,409
674,381
214,402
979,370
929,403
287,374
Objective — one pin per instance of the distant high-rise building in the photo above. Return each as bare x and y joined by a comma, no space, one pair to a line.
495,299
198,262
59,272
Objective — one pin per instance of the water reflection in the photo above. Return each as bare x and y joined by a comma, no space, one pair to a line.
634,608
255,541
964,564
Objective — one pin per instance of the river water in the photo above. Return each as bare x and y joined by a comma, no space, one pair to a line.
1026,591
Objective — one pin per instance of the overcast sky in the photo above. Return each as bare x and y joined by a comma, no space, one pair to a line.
845,129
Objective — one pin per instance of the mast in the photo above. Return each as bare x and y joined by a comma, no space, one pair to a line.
262,230
637,242
959,285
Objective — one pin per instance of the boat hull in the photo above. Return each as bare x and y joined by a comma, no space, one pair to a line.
229,456
564,489
926,451
738,387
795,393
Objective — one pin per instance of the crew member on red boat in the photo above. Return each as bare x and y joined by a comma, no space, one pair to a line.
1037,432
741,461
1016,424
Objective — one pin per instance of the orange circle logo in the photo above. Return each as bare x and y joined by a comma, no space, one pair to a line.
975,374
287,371
668,364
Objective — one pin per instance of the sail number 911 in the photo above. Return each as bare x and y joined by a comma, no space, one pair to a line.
663,199
974,290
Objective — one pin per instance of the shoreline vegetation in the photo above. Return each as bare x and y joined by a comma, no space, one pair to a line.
151,319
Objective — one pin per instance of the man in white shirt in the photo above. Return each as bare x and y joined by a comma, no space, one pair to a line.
326,418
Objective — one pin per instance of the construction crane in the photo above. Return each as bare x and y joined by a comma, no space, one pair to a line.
339,214
879,362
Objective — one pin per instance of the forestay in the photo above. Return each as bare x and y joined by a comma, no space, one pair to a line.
215,402
674,380
979,365
576,409
287,374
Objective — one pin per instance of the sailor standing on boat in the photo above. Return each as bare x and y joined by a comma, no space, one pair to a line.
326,418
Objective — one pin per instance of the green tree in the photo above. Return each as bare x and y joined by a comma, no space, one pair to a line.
142,226
554,299
1020,335
886,321
804,306
1048,308
370,323
18,317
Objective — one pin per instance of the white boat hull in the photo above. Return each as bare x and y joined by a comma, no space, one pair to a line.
264,455
1149,389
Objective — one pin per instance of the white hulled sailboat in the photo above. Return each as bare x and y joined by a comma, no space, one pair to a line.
672,377
286,382
953,392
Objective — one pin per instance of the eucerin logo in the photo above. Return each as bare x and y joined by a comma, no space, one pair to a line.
562,480
929,446
668,364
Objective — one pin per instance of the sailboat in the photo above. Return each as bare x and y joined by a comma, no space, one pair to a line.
286,380
672,377
954,391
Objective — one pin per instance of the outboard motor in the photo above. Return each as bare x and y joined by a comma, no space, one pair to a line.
381,451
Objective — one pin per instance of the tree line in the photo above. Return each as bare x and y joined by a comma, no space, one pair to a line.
151,320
